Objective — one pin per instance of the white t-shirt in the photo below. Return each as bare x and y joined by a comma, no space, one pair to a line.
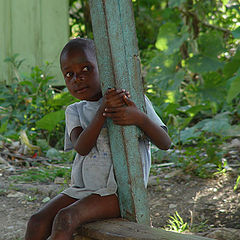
94,173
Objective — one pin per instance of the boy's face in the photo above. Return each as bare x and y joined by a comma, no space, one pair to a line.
80,71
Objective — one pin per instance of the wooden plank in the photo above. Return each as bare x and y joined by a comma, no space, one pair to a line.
119,66
119,229
5,39
26,32
55,34
37,31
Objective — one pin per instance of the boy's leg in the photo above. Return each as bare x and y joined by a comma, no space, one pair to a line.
40,224
91,208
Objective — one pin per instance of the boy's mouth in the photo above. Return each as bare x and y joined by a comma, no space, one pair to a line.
81,90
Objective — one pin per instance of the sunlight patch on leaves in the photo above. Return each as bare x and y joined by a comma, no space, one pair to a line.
168,39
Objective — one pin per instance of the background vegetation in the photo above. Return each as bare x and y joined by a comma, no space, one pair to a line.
191,65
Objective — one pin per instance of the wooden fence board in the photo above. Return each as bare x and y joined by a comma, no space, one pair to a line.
36,30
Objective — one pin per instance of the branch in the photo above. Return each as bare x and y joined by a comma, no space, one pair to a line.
193,15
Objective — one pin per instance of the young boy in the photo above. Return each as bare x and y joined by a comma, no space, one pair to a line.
93,191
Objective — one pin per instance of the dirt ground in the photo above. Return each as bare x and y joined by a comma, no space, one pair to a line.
206,204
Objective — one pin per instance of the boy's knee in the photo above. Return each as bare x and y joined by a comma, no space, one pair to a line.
35,220
63,220
37,227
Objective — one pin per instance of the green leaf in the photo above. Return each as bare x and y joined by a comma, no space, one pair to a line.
211,44
232,66
203,64
28,83
192,110
218,125
166,33
50,120
168,39
53,153
175,3
61,99
188,134
213,81
176,80
237,183
42,143
3,127
236,33
234,89
46,199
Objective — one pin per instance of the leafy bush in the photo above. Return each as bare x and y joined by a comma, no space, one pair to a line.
31,103
192,76
190,56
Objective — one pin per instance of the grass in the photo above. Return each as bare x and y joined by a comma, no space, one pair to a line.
176,224
42,174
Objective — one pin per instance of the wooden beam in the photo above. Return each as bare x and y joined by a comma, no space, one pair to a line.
118,229
119,66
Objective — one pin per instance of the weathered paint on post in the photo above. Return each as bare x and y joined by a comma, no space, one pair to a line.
119,66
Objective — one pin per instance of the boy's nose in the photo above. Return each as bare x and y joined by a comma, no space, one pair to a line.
78,77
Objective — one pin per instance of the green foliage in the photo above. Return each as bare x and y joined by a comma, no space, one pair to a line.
176,224
50,121
236,33
192,77
234,87
80,20
190,59
31,103
169,40
237,183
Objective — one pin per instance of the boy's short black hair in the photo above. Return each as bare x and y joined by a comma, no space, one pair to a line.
79,43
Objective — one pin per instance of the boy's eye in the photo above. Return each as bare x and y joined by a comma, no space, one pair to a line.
68,75
85,69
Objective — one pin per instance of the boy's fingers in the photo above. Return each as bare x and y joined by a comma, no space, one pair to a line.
127,100
115,97
112,92
111,110
116,90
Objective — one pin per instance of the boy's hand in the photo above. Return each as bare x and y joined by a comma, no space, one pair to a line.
114,98
128,114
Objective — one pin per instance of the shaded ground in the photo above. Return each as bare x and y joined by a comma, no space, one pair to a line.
196,200
200,202
203,203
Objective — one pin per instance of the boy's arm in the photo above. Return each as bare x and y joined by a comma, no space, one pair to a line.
131,115
83,140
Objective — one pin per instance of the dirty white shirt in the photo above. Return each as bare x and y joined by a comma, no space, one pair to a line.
94,172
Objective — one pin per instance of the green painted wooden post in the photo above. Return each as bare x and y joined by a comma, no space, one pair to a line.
35,29
119,66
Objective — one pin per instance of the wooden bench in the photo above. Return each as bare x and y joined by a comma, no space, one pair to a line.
119,229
